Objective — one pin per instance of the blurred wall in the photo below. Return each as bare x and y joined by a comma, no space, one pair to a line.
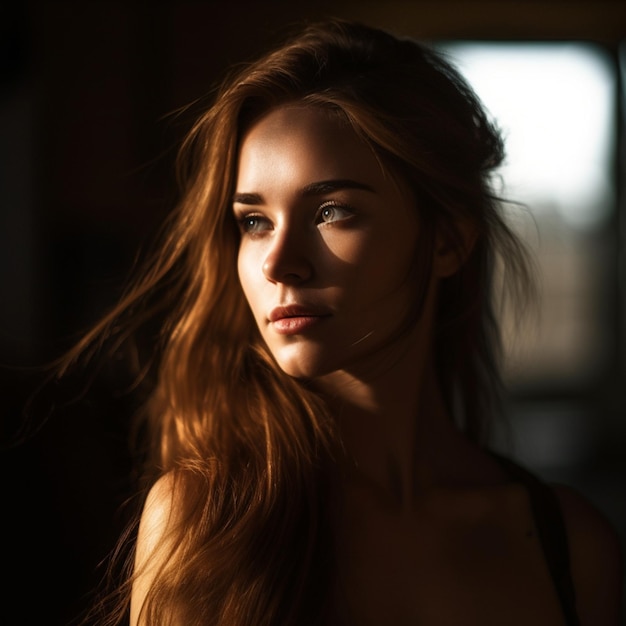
88,137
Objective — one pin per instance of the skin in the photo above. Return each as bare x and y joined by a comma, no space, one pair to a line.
322,246
429,530
355,266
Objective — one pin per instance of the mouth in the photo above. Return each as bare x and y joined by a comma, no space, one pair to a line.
295,319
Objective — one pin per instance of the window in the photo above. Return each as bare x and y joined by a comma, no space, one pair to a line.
555,104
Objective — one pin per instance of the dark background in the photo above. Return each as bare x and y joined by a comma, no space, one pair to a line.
90,118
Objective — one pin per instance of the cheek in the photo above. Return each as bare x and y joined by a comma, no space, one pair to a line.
246,270
401,246
349,258
377,262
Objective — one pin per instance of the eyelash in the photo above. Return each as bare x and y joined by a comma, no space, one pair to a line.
247,227
333,204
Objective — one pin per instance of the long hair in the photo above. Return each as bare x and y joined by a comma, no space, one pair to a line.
248,447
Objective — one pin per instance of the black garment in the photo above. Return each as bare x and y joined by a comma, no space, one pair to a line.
552,534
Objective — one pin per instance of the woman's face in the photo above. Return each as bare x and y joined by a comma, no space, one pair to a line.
327,242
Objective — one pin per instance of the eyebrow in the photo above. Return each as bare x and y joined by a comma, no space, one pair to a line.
313,189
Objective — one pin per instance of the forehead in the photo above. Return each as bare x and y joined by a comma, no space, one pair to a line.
298,117
300,141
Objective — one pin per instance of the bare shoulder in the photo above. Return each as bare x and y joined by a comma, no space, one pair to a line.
596,559
152,545
158,506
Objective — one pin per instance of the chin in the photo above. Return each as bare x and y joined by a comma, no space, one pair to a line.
300,371
302,364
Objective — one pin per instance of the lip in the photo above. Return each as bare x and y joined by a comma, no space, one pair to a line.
296,318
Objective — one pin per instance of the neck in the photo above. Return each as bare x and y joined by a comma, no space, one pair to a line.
391,421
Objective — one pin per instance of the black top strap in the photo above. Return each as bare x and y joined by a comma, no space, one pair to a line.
552,534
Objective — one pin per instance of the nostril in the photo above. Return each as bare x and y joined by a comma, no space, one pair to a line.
293,270
288,258
292,277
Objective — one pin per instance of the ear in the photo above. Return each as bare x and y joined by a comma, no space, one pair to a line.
453,245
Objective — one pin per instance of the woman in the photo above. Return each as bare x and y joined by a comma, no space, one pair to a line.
330,365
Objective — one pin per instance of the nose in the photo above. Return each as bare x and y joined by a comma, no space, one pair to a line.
288,259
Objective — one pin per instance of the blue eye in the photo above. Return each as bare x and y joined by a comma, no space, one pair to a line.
332,212
253,224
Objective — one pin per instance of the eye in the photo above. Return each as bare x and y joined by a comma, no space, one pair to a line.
253,223
332,211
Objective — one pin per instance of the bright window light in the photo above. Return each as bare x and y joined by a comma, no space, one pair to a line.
554,104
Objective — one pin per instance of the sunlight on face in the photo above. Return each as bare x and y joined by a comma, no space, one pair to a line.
327,242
